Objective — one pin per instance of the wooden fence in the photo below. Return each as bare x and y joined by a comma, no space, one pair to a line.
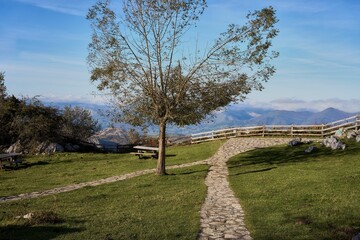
323,130
114,147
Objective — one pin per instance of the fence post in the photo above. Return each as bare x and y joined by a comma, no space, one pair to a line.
357,122
212,135
292,130
322,131
263,131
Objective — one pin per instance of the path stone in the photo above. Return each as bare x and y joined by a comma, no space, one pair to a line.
221,214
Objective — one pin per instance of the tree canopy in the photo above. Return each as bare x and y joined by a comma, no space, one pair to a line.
78,123
135,54
30,122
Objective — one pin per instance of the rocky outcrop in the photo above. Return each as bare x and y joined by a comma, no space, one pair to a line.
311,149
15,148
48,147
356,237
109,139
333,143
44,147
353,134
115,135
295,142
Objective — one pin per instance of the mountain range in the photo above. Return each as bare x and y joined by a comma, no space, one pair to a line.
237,117
232,116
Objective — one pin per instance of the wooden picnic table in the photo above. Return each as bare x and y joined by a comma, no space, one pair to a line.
146,151
9,159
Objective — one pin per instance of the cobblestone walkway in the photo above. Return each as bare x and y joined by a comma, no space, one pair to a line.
221,214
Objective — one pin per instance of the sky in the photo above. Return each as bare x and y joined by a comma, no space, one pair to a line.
43,50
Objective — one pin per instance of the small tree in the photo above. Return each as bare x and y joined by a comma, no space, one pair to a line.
136,56
78,123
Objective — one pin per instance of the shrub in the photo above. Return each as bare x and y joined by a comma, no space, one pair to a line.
78,123
44,217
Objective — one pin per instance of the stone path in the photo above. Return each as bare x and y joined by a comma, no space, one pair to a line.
221,214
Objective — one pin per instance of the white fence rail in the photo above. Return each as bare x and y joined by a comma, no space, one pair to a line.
322,130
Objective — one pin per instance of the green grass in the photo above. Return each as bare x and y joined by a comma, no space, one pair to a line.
146,207
288,194
46,172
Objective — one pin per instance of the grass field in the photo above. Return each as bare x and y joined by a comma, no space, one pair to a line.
288,194
49,171
147,207
285,192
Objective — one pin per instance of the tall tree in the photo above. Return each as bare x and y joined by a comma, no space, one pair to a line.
4,113
136,55
2,86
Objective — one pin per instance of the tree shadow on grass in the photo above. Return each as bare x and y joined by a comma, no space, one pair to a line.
14,232
289,155
155,158
340,228
24,165
189,172
255,171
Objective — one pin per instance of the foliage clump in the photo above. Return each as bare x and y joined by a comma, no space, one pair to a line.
30,122
44,217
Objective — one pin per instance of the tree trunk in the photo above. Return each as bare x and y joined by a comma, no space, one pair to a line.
162,142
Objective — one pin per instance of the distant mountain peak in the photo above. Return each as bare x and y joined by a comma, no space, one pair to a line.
331,109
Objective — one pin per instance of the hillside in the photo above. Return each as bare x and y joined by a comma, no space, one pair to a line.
233,116
328,115
280,117
256,117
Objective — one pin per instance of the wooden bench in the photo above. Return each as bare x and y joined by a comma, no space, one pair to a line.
10,159
146,151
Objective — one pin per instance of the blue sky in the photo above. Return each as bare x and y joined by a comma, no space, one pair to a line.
43,49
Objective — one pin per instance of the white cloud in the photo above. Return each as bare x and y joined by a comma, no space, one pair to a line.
73,7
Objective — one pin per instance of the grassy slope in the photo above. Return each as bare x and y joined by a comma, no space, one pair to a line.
147,207
288,194
46,172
